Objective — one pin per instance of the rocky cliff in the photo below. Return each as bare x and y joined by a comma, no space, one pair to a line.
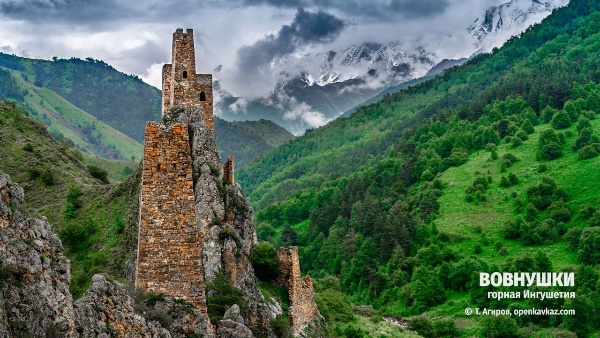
224,218
34,275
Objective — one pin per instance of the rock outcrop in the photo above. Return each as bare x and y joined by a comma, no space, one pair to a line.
34,275
107,311
224,219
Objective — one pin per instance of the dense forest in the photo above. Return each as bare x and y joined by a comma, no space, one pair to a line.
492,166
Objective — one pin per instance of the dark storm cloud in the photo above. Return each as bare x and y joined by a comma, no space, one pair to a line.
308,28
76,11
381,9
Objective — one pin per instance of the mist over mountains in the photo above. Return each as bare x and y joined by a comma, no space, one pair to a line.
311,89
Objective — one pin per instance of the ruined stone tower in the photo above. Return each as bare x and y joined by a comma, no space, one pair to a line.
194,222
182,87
169,259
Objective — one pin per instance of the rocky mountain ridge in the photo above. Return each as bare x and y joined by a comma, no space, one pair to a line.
510,18
317,88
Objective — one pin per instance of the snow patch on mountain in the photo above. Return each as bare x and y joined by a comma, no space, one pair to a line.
501,22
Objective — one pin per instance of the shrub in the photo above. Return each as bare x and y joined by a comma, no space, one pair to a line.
583,123
98,173
47,177
33,173
561,120
445,327
28,147
547,113
494,155
586,137
334,306
478,249
222,296
351,332
501,327
527,126
281,326
228,233
423,326
559,211
77,236
73,202
589,246
516,142
264,261
542,195
511,230
513,179
589,151
509,159
542,168
549,145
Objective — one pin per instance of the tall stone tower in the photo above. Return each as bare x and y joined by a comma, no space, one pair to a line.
169,259
182,87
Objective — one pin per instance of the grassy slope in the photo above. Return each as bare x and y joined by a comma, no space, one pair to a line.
121,101
63,118
273,134
107,208
581,180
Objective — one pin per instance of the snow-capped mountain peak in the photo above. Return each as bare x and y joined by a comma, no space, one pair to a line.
501,22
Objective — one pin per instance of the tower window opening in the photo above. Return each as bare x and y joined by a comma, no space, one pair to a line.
202,96
185,74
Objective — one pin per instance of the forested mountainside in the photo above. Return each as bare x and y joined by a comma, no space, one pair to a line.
247,140
103,112
96,88
490,167
65,121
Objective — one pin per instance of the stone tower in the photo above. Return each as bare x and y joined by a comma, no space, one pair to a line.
182,87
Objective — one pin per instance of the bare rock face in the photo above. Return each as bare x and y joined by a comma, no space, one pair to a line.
34,275
232,325
107,311
224,218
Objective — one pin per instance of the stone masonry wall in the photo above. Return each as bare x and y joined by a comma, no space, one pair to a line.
169,243
167,87
204,85
303,309
228,170
182,87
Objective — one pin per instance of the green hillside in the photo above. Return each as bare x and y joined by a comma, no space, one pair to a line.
123,102
93,218
65,121
247,140
491,167
91,104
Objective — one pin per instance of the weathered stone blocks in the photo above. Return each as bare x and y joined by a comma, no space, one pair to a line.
169,243
182,87
303,309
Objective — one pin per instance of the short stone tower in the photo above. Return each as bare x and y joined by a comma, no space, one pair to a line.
303,309
182,87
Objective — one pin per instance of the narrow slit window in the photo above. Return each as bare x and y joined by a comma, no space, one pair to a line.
185,74
202,96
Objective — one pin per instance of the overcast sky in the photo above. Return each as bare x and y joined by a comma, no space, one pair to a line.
135,36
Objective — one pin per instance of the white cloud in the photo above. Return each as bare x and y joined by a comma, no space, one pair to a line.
153,75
